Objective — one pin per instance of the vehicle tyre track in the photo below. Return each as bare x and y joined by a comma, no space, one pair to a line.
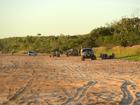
80,93
127,97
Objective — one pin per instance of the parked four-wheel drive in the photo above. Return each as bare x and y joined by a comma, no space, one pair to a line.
55,53
32,53
72,52
87,53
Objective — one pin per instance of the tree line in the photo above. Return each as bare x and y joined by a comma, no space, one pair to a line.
125,32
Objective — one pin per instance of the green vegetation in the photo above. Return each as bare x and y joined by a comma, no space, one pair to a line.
134,58
127,53
125,32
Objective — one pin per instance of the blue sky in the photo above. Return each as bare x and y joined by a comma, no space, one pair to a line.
53,17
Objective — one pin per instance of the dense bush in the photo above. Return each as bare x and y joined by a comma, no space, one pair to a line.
126,32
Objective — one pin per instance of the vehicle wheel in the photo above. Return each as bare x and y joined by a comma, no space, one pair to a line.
94,57
82,58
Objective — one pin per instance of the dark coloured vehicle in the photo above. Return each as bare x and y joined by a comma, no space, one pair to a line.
32,53
87,53
72,52
55,53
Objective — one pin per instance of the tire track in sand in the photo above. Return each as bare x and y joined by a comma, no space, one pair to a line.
80,93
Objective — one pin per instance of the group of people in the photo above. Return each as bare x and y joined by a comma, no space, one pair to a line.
106,56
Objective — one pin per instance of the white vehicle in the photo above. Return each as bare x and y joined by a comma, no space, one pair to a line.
32,53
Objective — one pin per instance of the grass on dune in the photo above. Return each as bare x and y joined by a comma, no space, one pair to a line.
128,53
134,57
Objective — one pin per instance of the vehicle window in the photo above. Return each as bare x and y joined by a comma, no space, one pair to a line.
87,50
